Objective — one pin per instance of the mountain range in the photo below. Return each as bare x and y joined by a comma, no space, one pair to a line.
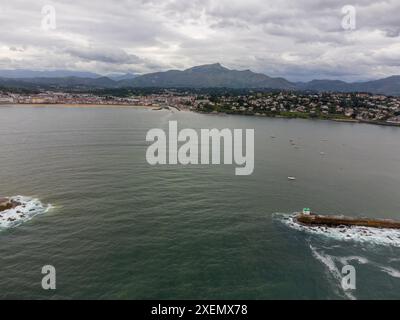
205,76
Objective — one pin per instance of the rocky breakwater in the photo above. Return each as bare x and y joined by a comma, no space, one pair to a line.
336,221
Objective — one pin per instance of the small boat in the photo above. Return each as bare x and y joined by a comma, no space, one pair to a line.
291,178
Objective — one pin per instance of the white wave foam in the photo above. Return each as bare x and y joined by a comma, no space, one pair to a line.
334,263
391,271
329,262
346,260
388,237
28,208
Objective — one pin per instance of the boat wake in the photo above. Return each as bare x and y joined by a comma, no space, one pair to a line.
27,209
388,237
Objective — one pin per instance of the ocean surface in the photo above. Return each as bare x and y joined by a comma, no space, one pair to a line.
115,227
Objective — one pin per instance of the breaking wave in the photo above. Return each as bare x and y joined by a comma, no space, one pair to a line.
388,237
28,208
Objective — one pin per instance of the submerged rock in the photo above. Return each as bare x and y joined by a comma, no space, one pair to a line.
18,209
3,203
6,204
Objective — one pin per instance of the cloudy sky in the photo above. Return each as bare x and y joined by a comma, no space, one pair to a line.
299,40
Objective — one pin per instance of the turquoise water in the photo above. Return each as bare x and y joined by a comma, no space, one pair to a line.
120,228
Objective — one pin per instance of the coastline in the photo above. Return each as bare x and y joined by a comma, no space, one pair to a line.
353,121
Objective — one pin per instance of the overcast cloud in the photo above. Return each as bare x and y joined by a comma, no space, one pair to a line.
299,40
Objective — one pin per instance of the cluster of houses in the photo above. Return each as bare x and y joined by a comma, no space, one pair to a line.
50,97
353,106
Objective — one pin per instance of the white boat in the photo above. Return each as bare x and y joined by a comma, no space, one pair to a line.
291,178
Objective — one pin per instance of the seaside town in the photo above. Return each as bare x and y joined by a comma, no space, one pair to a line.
352,107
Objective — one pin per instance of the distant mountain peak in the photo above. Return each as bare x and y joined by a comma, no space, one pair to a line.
208,67
121,76
208,76
216,65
